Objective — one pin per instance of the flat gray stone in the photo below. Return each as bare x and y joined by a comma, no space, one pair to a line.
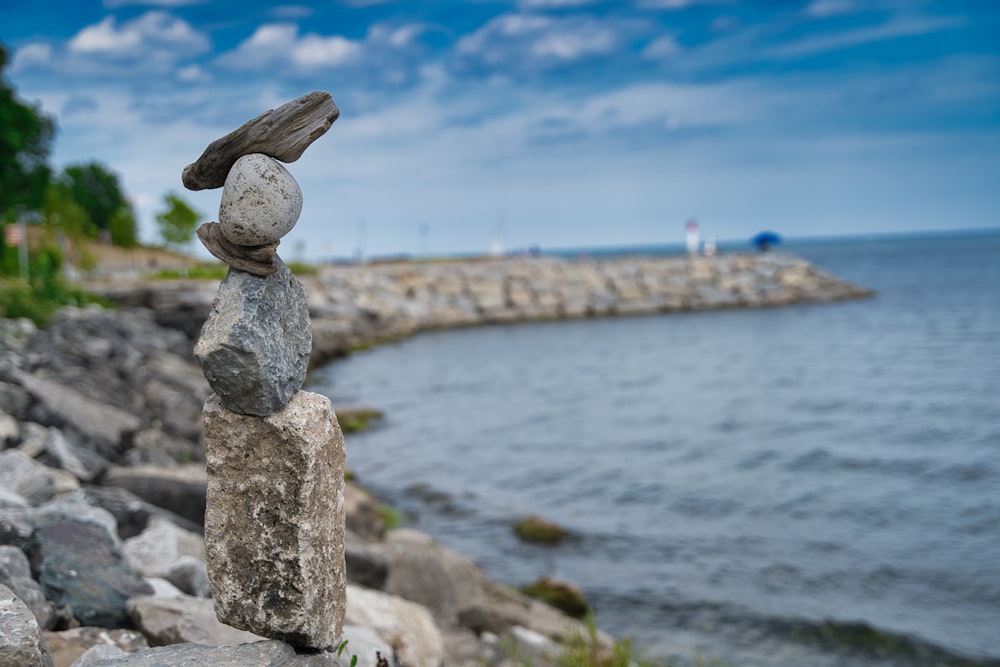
274,528
103,425
82,463
80,566
25,477
254,348
177,620
284,133
15,573
258,654
21,641
180,489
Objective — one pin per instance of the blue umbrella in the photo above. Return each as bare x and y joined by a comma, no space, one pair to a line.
764,240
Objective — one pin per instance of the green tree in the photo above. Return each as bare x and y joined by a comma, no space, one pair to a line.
178,221
97,191
26,135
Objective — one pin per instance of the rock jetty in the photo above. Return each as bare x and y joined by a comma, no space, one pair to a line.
355,305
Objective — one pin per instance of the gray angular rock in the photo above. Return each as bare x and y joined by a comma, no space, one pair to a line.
160,546
79,566
133,514
177,620
258,654
21,641
104,425
68,645
190,575
407,627
274,528
82,463
26,477
181,489
15,573
254,347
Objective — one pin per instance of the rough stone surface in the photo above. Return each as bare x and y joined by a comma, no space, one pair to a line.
68,645
82,463
15,573
160,547
103,424
274,529
133,514
258,654
258,260
283,133
407,627
79,565
26,477
21,642
176,620
180,490
254,347
190,575
261,201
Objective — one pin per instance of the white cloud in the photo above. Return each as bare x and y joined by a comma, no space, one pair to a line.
114,4
902,27
528,41
680,4
154,35
660,48
292,12
280,42
824,8
316,51
31,54
554,4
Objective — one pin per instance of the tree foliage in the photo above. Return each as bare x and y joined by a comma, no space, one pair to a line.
26,135
97,191
178,221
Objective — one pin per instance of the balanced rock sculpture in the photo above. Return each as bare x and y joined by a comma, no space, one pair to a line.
274,523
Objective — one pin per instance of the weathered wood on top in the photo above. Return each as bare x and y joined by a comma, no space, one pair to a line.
283,133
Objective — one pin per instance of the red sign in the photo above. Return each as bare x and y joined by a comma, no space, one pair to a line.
13,234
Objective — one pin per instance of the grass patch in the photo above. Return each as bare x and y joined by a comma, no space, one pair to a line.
39,300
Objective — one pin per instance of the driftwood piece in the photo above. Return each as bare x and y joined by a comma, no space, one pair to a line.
258,260
283,133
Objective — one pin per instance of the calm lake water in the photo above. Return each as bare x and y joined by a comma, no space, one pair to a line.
814,485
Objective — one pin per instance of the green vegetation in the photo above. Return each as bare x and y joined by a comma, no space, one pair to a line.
563,596
38,298
540,531
586,650
357,419
178,221
206,271
391,517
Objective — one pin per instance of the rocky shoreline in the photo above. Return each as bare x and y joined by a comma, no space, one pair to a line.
102,476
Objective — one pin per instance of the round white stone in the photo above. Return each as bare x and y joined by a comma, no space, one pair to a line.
261,201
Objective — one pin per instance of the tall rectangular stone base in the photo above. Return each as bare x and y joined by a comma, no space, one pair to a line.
274,527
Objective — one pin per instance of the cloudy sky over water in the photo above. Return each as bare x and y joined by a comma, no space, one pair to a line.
559,123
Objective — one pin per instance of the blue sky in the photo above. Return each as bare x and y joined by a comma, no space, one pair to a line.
564,123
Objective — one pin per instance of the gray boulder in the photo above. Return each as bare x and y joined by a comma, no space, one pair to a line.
15,574
254,347
80,566
21,641
180,490
176,620
68,645
258,654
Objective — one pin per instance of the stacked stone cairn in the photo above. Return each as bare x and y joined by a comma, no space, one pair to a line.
274,522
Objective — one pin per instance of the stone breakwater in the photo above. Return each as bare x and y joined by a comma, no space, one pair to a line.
352,306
